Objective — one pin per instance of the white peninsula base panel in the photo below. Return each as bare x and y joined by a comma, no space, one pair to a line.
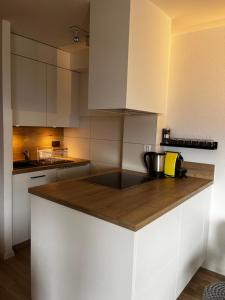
79,257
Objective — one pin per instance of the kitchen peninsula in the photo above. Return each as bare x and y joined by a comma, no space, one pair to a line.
95,242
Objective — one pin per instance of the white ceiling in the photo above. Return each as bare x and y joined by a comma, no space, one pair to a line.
48,20
190,14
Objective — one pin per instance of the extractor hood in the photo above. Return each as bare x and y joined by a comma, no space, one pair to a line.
129,56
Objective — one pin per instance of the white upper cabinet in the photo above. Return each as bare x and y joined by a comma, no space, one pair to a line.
129,55
28,92
62,97
77,61
44,95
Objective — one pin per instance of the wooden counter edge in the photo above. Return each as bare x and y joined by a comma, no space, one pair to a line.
134,228
172,206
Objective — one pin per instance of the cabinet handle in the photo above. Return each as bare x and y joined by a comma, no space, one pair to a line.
40,176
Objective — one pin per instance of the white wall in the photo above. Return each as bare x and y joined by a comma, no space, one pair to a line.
196,109
5,143
99,137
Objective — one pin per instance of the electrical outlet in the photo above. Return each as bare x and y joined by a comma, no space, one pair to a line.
147,148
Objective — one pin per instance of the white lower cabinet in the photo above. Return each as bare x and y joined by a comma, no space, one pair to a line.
193,237
72,172
21,198
170,250
156,255
21,201
106,261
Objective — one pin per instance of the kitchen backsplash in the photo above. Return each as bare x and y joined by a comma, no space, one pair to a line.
139,130
98,139
31,138
112,141
109,140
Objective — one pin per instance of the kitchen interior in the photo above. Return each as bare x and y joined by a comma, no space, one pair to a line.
112,150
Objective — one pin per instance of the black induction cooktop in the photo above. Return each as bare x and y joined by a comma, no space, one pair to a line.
119,180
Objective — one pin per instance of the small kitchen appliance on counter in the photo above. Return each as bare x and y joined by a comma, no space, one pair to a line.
164,164
173,165
154,162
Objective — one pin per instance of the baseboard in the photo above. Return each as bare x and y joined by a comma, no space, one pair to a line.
214,268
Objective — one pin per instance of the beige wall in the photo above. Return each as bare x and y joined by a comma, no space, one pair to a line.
196,109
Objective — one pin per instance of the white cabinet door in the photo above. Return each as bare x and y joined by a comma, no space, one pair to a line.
28,92
73,172
41,177
156,250
62,97
21,201
21,209
207,200
194,232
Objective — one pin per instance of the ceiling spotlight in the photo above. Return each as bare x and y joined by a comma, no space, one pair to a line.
79,34
76,37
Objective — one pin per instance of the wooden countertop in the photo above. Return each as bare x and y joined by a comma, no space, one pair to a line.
75,163
132,208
